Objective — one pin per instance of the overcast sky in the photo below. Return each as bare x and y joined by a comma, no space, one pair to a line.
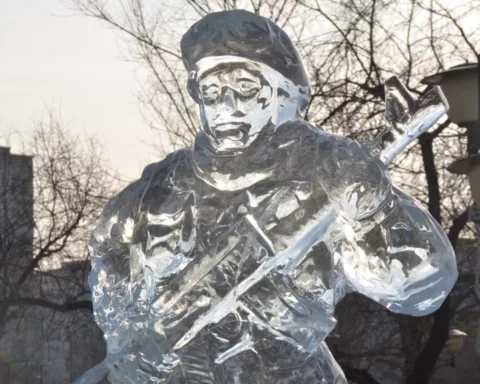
73,64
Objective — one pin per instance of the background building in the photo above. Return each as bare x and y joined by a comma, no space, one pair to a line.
38,344
16,204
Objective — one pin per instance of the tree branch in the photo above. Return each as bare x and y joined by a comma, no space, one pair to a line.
426,144
65,307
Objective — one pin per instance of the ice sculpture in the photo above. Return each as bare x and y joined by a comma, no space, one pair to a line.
223,263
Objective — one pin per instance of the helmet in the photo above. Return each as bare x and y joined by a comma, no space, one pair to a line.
243,34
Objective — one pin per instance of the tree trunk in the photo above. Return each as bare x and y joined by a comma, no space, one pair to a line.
428,357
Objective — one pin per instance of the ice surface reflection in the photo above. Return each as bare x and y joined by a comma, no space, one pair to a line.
223,263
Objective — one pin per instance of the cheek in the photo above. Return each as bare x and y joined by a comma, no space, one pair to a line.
265,96
248,106
208,112
258,105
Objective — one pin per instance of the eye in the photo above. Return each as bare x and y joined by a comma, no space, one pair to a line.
210,93
247,87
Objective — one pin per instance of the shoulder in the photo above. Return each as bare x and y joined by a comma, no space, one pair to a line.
300,129
306,132
121,211
328,146
178,160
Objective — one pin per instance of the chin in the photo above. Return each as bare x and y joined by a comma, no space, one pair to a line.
230,144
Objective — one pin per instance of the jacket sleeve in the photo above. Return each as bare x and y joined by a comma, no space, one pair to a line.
393,250
110,258
113,258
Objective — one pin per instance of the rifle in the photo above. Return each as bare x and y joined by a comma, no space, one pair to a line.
407,118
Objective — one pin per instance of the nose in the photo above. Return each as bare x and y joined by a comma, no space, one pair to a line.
229,103
229,99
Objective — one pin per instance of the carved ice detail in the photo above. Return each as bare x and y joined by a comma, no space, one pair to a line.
223,263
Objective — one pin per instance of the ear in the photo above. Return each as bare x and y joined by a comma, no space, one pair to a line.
192,86
284,108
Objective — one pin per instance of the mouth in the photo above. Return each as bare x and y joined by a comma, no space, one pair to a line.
231,130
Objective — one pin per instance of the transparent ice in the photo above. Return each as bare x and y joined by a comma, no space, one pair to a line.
224,263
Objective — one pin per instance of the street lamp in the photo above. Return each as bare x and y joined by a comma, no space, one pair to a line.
461,86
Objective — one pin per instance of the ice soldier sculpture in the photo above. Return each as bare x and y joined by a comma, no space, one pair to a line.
223,263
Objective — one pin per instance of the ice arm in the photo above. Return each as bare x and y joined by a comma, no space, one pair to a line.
393,250
110,250
403,260
116,260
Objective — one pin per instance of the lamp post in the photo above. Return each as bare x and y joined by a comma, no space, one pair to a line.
461,86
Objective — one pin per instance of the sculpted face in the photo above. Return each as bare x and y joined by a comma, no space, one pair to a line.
236,105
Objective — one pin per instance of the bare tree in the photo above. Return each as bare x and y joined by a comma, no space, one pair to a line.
350,48
49,203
